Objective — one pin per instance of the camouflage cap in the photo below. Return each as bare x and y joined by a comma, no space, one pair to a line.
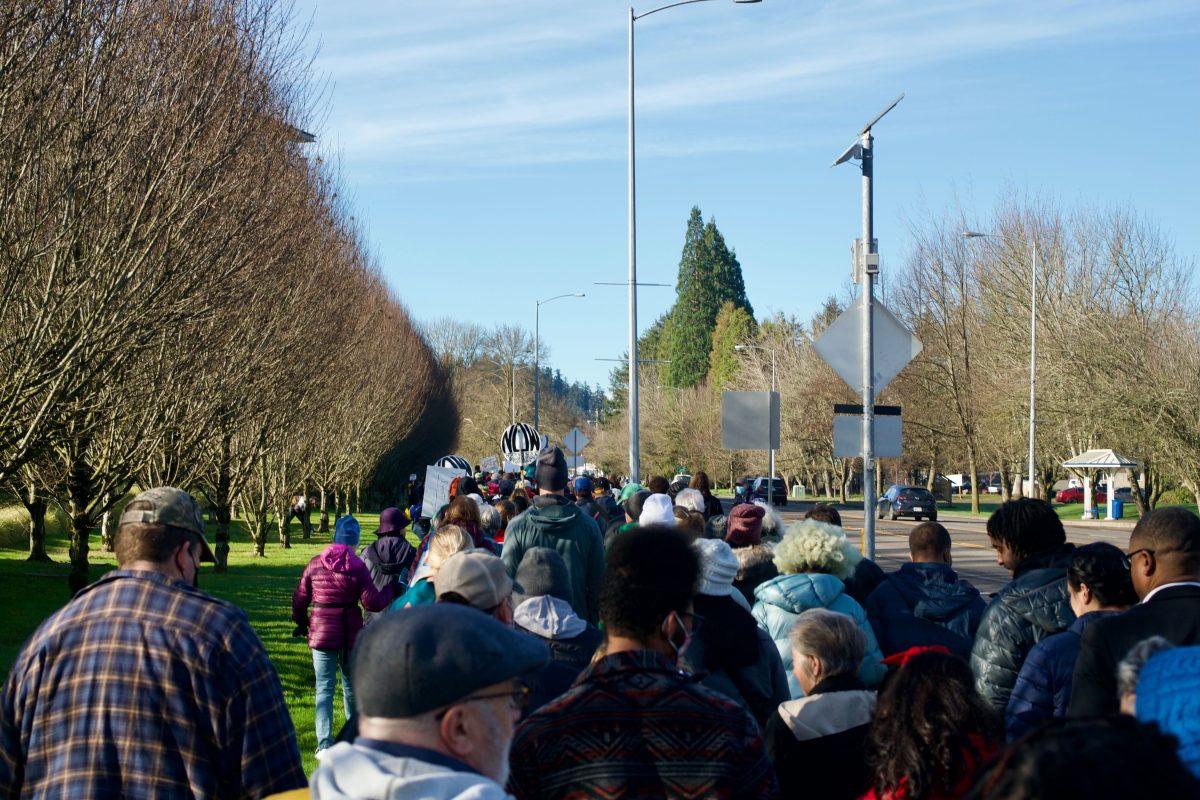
174,507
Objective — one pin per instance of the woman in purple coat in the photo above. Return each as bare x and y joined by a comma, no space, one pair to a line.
333,584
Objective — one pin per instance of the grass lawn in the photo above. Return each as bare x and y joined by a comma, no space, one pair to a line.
260,586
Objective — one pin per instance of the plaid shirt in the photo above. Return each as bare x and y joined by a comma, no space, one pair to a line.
634,726
145,687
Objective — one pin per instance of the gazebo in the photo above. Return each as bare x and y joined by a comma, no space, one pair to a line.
1107,461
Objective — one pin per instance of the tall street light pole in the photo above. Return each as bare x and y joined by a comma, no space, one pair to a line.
537,352
1032,333
634,443
771,458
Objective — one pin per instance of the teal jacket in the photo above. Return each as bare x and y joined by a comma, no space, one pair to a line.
555,522
780,600
419,594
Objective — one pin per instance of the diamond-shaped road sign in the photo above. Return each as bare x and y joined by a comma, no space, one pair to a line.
841,346
575,441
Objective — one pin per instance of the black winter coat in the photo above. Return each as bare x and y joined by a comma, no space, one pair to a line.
760,686
1033,605
925,604
819,742
568,658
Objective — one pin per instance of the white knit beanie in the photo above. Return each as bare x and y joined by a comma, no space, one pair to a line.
718,568
657,510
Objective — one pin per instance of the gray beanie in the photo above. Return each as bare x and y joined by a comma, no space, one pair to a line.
542,571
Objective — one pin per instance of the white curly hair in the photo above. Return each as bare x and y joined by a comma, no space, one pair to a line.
813,546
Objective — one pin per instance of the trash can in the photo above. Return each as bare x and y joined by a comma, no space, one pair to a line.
1118,508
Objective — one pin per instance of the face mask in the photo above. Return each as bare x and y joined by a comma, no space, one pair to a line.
687,636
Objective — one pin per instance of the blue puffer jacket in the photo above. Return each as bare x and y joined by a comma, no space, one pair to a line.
925,604
1043,688
781,599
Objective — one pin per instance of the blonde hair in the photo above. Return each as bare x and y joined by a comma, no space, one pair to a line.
449,539
813,546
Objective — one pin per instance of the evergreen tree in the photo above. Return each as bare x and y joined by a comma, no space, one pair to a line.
734,326
709,275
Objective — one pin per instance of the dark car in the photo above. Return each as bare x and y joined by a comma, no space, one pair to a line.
907,501
758,490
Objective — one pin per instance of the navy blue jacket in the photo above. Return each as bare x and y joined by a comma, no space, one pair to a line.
925,604
1043,688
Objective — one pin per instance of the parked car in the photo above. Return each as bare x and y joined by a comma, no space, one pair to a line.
1074,494
758,490
907,501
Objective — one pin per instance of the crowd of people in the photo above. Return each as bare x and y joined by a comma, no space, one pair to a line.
552,637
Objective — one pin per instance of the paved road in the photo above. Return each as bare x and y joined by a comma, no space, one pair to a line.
974,558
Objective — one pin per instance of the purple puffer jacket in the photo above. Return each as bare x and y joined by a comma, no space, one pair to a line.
339,578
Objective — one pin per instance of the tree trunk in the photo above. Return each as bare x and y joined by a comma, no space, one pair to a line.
324,526
222,506
106,533
929,479
828,477
258,532
974,479
35,504
79,493
1005,486
283,520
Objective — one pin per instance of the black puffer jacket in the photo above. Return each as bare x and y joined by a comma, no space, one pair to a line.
1033,605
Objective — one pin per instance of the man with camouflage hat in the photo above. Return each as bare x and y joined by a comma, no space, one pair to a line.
145,686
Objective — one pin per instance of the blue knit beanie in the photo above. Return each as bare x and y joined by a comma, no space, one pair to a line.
346,531
1168,693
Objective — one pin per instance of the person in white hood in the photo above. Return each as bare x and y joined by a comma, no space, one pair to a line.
543,610
438,692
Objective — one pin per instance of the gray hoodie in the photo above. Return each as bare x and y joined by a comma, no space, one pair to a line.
353,771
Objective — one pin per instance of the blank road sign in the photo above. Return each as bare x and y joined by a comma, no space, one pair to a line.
848,438
750,420
891,344
575,440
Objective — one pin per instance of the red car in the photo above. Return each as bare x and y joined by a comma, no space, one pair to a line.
1074,494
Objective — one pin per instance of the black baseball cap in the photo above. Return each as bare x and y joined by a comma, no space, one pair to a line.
427,657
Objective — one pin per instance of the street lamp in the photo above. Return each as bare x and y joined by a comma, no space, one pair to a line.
537,344
634,454
1032,330
771,350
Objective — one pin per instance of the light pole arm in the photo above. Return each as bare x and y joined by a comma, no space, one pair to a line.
664,8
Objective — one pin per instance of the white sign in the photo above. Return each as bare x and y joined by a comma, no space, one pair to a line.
841,346
575,441
512,466
437,488
848,438
490,464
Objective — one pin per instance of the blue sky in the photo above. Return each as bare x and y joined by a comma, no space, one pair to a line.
483,141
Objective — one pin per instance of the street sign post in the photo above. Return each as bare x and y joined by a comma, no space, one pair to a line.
575,440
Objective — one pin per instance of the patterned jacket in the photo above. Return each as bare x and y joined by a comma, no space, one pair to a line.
143,686
634,726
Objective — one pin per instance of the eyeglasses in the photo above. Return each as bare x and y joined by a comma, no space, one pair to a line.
1128,557
518,699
